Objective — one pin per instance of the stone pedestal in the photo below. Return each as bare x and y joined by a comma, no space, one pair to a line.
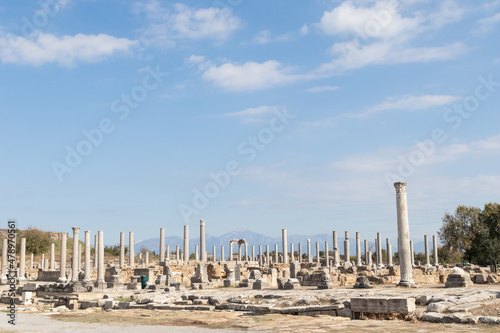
458,278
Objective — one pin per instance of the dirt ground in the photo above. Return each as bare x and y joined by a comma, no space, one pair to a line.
269,322
487,310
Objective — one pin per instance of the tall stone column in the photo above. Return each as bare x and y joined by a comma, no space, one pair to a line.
214,258
246,251
62,265
389,252
292,256
309,255
96,250
131,254
379,250
22,261
147,259
100,266
260,254
412,254
300,252
336,250
435,248
31,261
162,245
284,241
318,258
239,252
222,258
358,250
3,277
42,264
230,251
366,252
177,253
268,258
253,253
76,265
347,255
79,257
52,256
88,268
122,250
404,236
203,251
186,243
427,257
276,261
327,258
167,255
196,253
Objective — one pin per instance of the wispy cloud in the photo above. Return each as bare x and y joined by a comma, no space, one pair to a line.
487,23
322,89
253,115
406,103
167,27
65,50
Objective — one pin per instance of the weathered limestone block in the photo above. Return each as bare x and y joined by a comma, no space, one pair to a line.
362,282
458,278
261,284
134,283
291,284
326,281
383,305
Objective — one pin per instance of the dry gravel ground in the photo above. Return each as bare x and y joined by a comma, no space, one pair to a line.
125,321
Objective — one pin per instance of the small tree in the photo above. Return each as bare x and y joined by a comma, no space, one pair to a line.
37,241
492,252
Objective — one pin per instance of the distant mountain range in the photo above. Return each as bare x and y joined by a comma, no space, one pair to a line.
257,239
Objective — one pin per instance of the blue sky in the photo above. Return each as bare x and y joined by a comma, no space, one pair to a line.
136,115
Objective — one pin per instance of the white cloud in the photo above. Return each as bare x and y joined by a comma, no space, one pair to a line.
486,24
249,76
195,59
65,50
409,103
253,115
304,30
322,89
185,22
381,34
262,37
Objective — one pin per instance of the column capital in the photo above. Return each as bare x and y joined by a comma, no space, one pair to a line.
400,187
76,230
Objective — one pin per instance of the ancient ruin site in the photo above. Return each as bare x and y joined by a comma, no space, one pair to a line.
252,288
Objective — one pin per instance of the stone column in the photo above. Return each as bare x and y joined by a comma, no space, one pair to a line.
167,254
121,262
3,276
76,232
318,259
268,258
347,255
100,266
435,248
300,252
162,245
369,258
214,258
412,254
222,258
276,261
358,250
177,253
185,250
88,268
52,256
309,254
427,257
292,257
239,252
389,252
147,258
253,253
22,261
246,251
327,258
42,264
31,261
379,250
131,255
62,265
366,252
284,241
260,254
404,236
196,253
79,256
203,251
96,250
